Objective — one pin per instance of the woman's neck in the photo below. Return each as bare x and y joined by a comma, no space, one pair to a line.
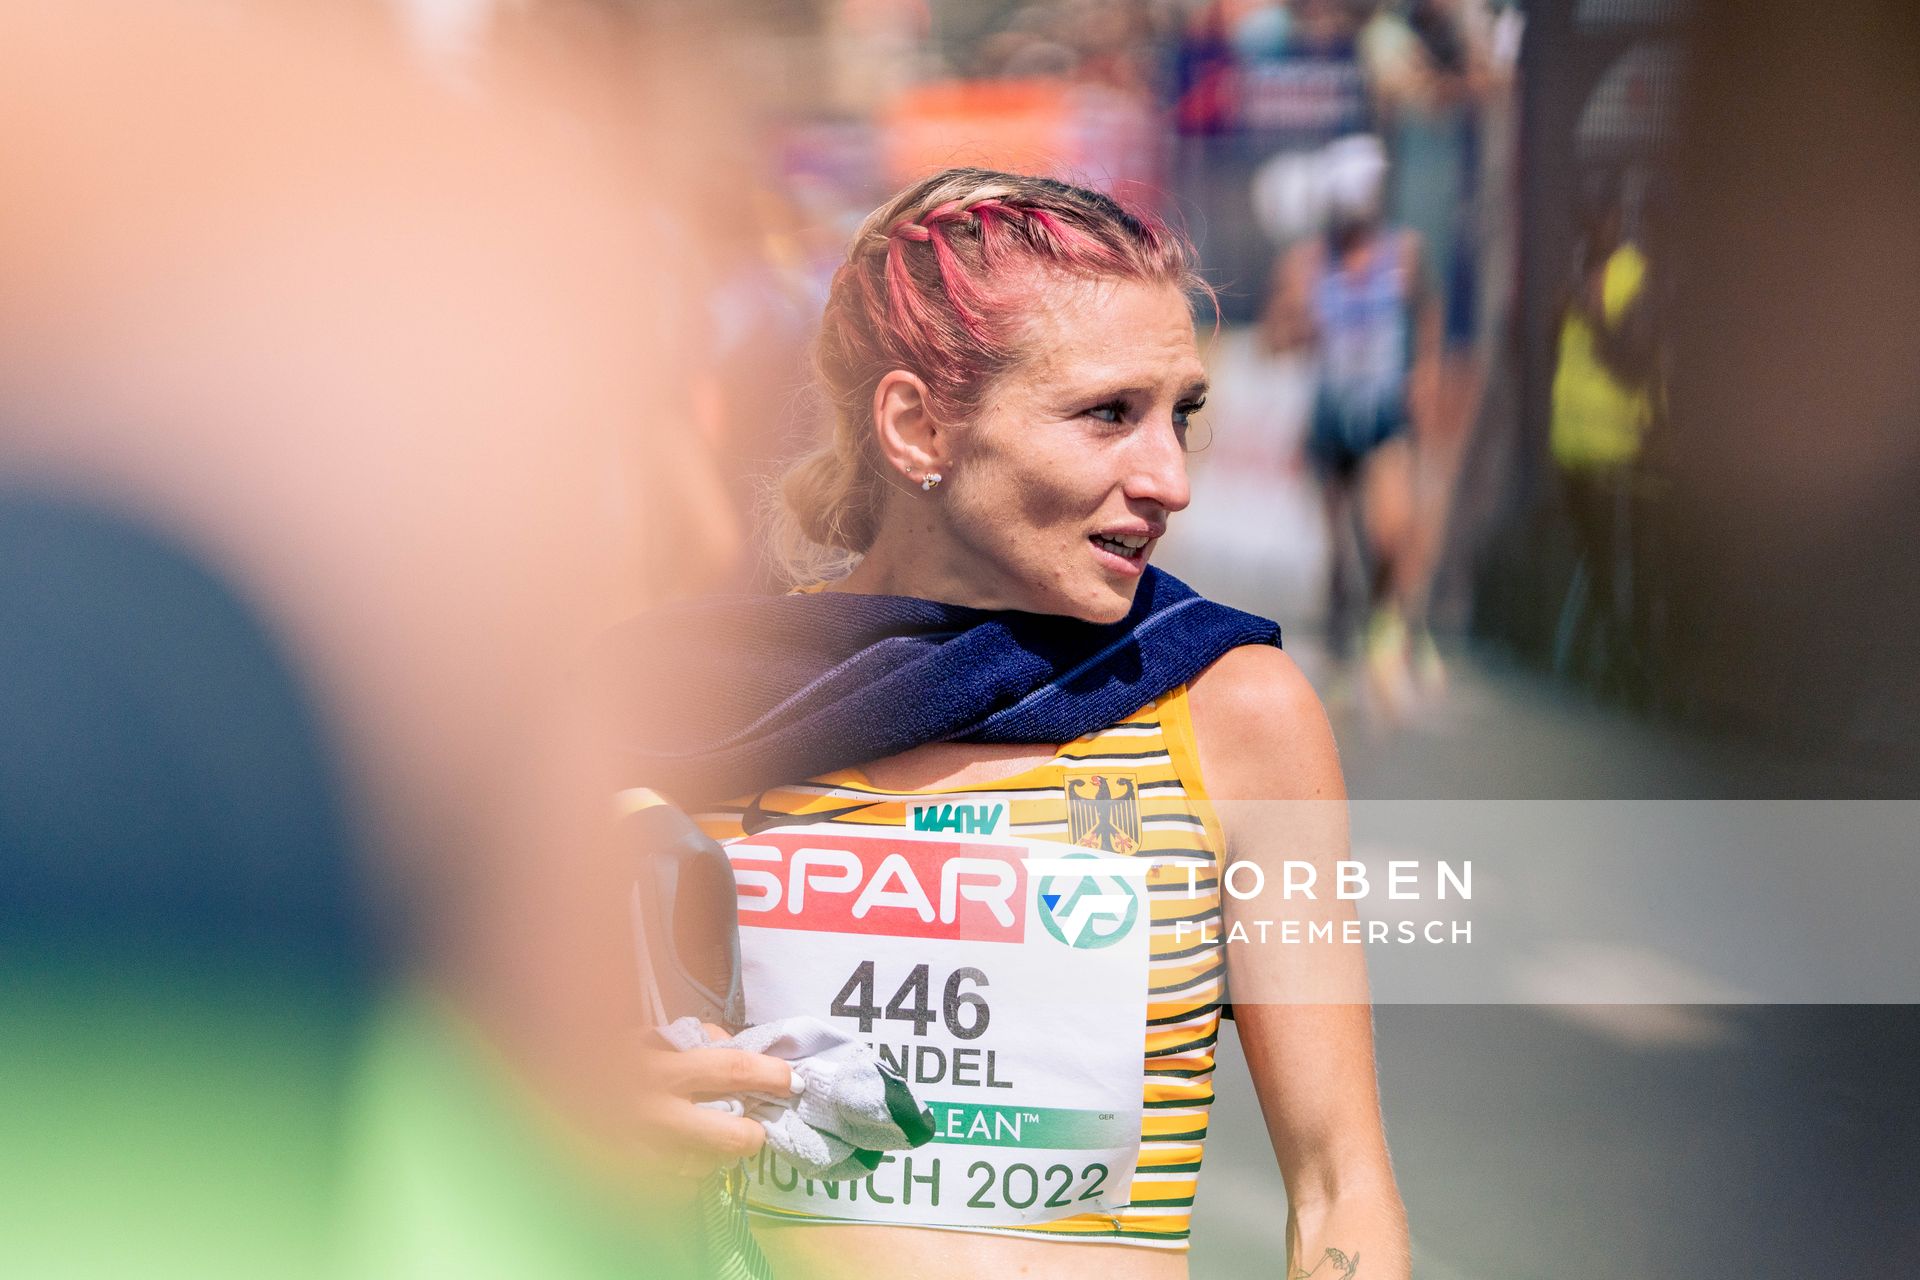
879,574
924,572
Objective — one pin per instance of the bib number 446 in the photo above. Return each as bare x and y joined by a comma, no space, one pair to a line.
963,1012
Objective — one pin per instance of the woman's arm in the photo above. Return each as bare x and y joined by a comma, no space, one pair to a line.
1268,758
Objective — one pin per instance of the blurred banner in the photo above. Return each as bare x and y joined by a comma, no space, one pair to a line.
1032,126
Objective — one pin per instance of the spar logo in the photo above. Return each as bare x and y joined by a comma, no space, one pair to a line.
1083,902
821,880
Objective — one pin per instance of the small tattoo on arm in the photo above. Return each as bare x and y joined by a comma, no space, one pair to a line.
1333,1265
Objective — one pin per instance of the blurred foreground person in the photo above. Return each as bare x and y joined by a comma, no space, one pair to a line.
981,774
321,436
1357,297
183,926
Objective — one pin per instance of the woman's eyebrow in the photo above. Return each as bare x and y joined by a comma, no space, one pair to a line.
1109,391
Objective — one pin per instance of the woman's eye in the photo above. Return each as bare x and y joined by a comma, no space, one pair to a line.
1183,413
1113,411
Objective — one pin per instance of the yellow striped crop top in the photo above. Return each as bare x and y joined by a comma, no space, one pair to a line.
1150,758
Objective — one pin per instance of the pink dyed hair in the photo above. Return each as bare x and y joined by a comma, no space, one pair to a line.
938,281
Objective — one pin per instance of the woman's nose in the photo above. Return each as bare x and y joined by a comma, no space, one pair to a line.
1160,469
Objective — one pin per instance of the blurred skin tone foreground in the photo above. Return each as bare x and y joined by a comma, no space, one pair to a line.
323,461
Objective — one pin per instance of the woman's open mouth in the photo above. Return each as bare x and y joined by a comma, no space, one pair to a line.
1125,551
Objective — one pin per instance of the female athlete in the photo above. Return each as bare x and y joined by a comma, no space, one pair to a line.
1357,294
983,786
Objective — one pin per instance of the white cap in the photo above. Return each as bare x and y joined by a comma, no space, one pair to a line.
1353,173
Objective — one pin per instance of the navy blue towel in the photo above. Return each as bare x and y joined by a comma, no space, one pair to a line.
734,694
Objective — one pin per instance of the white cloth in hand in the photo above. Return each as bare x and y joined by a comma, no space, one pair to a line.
851,1105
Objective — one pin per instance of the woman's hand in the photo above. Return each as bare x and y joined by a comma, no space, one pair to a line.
691,1141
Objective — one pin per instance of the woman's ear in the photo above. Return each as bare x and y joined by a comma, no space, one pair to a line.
904,425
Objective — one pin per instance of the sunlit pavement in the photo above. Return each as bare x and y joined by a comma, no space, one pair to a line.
1564,1141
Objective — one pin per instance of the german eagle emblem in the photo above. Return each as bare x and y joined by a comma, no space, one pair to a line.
1103,812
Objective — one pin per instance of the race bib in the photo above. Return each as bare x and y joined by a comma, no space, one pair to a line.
1006,980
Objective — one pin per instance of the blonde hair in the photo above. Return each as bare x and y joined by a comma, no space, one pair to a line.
934,283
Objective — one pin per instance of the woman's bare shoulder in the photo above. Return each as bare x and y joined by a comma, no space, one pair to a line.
1261,730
